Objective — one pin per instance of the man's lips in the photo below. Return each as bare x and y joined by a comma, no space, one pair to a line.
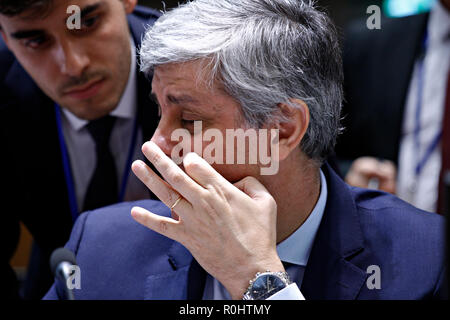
86,91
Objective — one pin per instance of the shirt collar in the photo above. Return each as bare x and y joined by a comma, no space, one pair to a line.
297,247
439,24
127,104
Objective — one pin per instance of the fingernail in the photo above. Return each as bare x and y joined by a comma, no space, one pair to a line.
145,146
135,213
138,164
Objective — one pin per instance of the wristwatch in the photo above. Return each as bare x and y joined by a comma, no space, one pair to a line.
266,284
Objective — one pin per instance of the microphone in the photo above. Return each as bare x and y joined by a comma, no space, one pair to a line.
61,262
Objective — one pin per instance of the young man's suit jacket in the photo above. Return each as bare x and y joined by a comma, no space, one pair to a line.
378,66
32,185
121,259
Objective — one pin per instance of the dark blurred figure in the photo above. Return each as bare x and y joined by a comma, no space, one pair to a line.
74,111
397,113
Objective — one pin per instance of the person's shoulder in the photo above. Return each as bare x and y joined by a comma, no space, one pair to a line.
390,209
119,215
393,224
110,244
406,243
114,228
146,13
374,201
140,20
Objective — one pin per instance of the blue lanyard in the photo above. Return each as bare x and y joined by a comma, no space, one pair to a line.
68,171
435,142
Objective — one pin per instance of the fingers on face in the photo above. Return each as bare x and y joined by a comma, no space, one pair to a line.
202,172
173,174
159,187
253,188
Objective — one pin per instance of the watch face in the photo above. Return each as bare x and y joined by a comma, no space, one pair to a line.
266,285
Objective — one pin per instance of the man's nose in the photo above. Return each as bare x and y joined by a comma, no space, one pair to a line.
72,59
162,138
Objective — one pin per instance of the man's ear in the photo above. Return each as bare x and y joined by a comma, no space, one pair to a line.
129,5
292,131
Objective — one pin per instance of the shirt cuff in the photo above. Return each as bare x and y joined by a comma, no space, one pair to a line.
291,292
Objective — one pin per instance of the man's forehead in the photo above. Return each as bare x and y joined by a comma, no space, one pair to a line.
175,83
181,69
195,75
179,84
49,11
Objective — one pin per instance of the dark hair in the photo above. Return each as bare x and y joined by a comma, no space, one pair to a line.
16,7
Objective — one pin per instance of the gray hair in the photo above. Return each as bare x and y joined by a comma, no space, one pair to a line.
265,52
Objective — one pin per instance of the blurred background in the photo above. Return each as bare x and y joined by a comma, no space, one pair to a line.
341,11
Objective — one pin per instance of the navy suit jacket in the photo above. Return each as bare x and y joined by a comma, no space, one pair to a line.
121,259
31,170
378,66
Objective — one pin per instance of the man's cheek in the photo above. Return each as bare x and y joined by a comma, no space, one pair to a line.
236,172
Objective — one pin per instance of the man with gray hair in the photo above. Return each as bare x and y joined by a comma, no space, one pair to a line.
271,68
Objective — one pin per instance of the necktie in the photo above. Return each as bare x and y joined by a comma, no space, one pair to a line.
295,272
102,189
445,147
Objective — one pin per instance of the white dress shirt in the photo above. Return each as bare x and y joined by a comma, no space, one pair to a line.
294,250
423,191
81,146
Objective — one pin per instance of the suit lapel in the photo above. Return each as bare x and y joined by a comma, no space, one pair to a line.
399,51
399,59
329,273
36,148
185,280
147,110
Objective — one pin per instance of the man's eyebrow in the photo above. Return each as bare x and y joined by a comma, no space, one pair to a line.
90,8
181,99
175,99
23,34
